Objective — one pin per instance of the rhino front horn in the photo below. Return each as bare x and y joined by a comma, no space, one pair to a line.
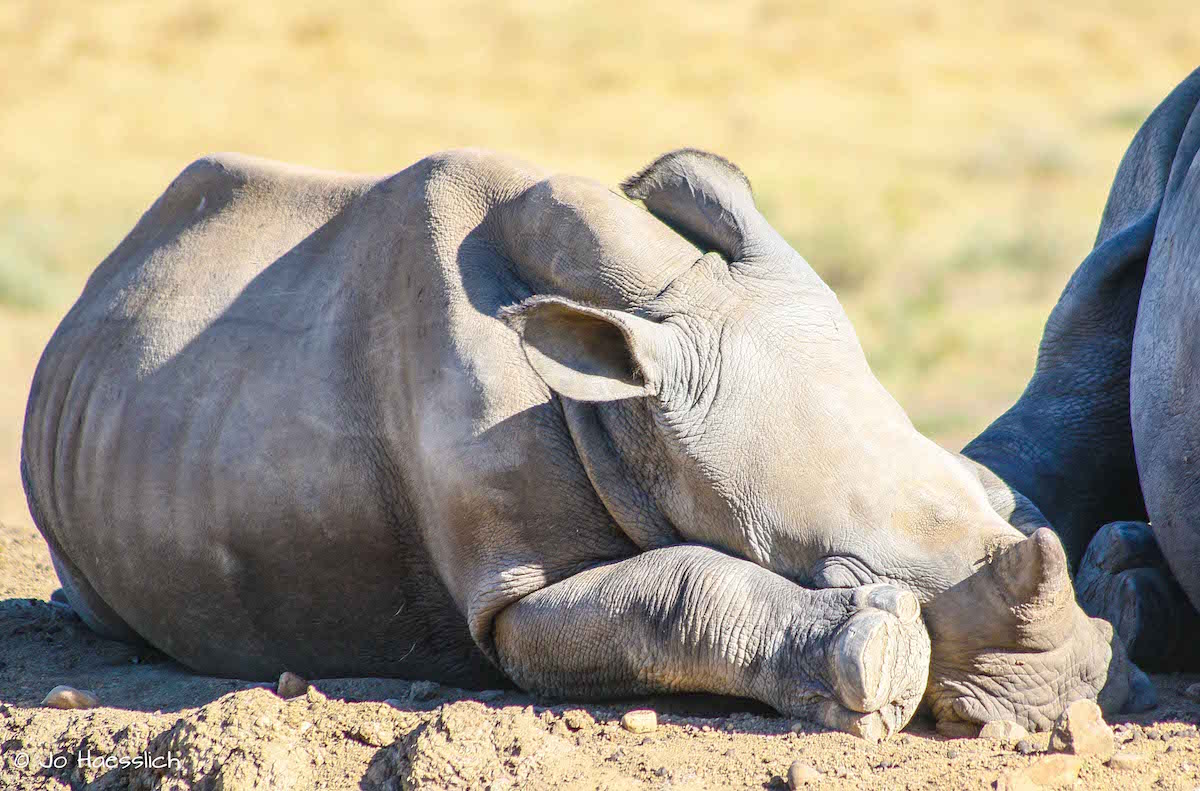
1032,576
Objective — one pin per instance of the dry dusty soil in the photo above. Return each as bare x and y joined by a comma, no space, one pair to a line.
162,727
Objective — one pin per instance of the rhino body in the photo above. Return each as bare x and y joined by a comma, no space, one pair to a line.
1104,439
474,423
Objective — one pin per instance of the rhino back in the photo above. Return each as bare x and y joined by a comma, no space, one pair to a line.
222,435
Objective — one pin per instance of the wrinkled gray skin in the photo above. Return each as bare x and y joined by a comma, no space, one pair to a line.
1106,433
469,422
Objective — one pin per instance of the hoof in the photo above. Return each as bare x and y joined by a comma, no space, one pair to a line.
880,663
864,658
1123,579
900,603
871,726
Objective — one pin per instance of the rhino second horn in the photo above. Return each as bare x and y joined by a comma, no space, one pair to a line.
1032,574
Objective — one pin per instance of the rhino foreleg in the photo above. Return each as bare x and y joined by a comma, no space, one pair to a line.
691,619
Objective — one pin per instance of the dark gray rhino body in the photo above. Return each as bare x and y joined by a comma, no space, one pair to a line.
472,423
1105,438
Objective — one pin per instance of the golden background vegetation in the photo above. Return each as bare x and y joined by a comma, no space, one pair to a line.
942,164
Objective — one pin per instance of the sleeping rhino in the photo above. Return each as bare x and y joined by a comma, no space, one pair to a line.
477,424
1105,439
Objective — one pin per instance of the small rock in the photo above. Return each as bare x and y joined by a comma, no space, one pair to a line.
424,690
1047,771
64,697
1003,730
373,734
314,695
290,685
577,719
489,694
395,703
1125,760
952,753
640,721
1025,747
801,774
1192,692
1081,730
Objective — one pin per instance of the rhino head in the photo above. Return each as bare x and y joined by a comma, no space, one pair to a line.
735,408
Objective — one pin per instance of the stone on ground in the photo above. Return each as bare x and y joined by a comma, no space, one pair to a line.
639,721
1003,730
1049,771
801,774
64,697
290,685
1081,730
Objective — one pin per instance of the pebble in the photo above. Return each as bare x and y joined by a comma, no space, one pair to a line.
1003,730
373,734
577,719
290,685
424,690
395,703
1125,760
314,695
1026,747
1047,771
1081,730
1192,692
801,774
640,721
64,697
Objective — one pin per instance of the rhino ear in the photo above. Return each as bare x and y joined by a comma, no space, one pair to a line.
703,196
590,354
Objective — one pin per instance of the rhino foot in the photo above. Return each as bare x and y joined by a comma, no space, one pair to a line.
1123,579
879,664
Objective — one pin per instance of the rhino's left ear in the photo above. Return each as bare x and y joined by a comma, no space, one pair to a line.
706,198
590,354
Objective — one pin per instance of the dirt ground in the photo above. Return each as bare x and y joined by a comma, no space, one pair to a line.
163,727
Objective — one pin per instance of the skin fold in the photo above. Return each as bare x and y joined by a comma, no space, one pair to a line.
480,424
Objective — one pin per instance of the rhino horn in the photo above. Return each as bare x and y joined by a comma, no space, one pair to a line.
1032,577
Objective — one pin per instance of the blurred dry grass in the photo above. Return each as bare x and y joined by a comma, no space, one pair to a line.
942,164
